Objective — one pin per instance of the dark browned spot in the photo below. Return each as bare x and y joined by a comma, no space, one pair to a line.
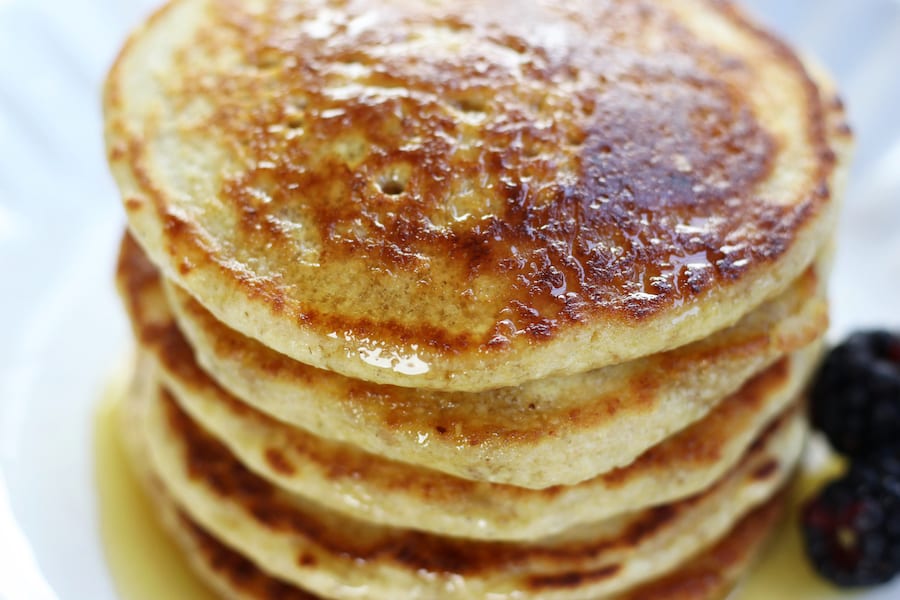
766,470
279,462
573,578
117,152
307,560
185,266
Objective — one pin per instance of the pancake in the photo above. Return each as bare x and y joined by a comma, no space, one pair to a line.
347,480
714,573
436,195
708,576
564,430
311,547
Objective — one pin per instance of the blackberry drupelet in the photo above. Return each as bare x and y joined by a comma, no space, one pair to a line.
852,528
855,400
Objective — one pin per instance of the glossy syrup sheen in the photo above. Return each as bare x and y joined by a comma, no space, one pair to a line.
146,565
783,566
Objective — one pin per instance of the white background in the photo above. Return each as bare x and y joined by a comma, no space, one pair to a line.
62,331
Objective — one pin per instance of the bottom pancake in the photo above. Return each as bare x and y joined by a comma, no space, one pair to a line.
711,575
315,549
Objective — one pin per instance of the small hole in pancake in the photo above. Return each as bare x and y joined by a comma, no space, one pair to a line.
394,180
471,104
267,58
392,187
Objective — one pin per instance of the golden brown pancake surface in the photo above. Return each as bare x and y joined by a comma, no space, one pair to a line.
460,195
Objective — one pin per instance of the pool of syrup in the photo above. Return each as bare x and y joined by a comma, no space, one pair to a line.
143,562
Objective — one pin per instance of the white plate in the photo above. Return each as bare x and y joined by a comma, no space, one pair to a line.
61,329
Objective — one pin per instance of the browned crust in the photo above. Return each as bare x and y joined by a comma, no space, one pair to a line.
411,410
714,572
542,238
445,414
686,447
239,572
572,579
706,577
210,464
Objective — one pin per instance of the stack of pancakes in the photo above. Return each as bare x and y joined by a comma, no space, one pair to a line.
476,299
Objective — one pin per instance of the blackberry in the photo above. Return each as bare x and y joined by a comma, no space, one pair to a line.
855,400
852,528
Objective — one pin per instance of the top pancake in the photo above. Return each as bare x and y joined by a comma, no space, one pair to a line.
467,195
